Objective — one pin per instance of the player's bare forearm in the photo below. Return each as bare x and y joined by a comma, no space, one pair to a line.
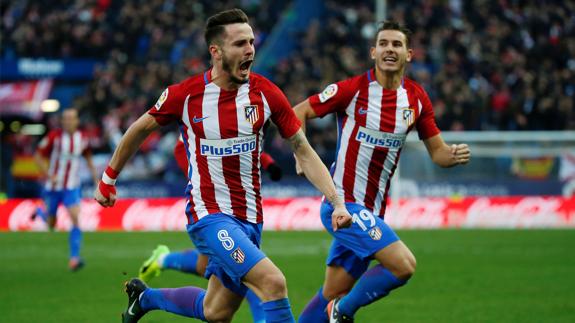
445,155
318,175
303,112
105,192
132,139
313,168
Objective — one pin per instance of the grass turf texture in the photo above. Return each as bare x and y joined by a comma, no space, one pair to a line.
462,276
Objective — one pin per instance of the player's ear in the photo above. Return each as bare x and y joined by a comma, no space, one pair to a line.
409,55
215,51
372,52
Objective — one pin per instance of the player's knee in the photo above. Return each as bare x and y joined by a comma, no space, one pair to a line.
74,219
275,285
218,314
406,268
331,292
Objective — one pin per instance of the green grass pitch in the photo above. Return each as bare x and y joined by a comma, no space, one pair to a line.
462,276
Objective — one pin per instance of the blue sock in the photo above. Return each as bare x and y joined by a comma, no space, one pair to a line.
314,312
256,307
184,261
185,301
373,285
75,241
278,311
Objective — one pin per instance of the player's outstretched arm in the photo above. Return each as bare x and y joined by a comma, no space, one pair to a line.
303,111
445,155
318,175
105,193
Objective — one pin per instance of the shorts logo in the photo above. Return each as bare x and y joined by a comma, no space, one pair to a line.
162,99
375,233
251,112
328,93
408,116
238,256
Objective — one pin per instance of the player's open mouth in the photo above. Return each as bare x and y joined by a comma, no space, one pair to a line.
390,59
245,65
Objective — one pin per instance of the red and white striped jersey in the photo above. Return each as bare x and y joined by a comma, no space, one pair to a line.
372,126
223,134
64,151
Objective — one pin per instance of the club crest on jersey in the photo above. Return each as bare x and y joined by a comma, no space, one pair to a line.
375,233
251,112
161,100
408,116
238,256
328,93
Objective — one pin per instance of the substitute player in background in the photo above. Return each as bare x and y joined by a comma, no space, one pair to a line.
221,114
191,261
375,111
64,148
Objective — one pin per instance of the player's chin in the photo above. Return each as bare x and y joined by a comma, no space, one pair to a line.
389,68
242,77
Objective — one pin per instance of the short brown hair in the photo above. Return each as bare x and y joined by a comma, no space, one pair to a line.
394,25
216,23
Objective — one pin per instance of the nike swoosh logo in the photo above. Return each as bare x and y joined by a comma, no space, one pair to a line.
132,307
196,120
362,111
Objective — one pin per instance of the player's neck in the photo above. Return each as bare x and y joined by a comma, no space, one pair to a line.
389,80
222,79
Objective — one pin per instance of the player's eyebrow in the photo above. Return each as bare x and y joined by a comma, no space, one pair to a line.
393,41
243,40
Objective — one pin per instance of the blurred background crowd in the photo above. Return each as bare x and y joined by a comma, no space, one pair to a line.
486,65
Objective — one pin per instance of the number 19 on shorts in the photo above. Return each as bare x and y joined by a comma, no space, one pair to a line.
363,217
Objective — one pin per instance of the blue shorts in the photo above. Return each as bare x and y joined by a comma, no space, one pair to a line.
53,199
232,246
353,248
